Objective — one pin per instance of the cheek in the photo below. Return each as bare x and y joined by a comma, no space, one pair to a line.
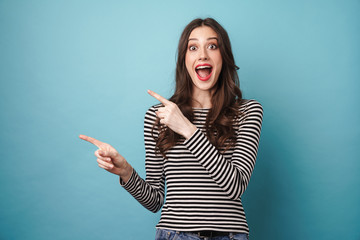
218,60
188,63
219,66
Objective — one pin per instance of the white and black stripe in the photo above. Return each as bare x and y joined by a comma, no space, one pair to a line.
204,186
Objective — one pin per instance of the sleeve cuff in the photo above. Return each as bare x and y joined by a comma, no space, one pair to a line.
197,143
130,182
191,139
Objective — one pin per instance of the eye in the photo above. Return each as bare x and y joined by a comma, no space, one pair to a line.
192,48
212,46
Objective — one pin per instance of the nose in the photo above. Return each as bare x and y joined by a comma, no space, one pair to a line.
203,55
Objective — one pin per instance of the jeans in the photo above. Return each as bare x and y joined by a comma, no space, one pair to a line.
165,234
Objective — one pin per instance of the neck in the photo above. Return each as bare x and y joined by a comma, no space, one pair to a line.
202,99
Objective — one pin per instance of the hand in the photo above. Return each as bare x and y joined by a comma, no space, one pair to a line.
109,159
171,116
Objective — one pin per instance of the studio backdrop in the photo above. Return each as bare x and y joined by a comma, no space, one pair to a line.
83,67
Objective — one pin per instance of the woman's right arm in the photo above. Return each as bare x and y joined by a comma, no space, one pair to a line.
150,192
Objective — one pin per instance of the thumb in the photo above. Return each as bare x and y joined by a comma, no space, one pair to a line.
102,153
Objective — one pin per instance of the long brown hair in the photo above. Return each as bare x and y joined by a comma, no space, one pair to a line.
225,99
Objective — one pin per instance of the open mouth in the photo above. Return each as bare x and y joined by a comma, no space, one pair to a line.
203,71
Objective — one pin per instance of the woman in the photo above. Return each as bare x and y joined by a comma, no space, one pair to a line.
202,142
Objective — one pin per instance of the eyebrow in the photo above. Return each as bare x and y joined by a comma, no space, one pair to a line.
195,39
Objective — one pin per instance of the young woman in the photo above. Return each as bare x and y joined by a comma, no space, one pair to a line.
202,143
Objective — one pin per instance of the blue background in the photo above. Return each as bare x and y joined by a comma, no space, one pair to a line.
83,67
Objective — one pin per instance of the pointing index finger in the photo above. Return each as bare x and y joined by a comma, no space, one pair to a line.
159,98
91,140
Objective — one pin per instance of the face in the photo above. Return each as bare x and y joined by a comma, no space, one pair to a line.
203,59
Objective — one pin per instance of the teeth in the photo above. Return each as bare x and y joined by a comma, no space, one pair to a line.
203,67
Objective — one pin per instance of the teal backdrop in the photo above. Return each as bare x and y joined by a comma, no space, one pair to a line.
83,67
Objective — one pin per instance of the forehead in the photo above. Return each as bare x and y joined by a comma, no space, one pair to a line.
203,32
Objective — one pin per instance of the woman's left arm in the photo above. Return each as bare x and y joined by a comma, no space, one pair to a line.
232,176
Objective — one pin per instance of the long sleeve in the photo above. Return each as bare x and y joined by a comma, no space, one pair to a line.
149,192
204,185
232,176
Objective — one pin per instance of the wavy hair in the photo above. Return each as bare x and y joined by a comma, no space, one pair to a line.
225,99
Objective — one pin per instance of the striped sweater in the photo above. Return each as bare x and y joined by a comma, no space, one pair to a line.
203,185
